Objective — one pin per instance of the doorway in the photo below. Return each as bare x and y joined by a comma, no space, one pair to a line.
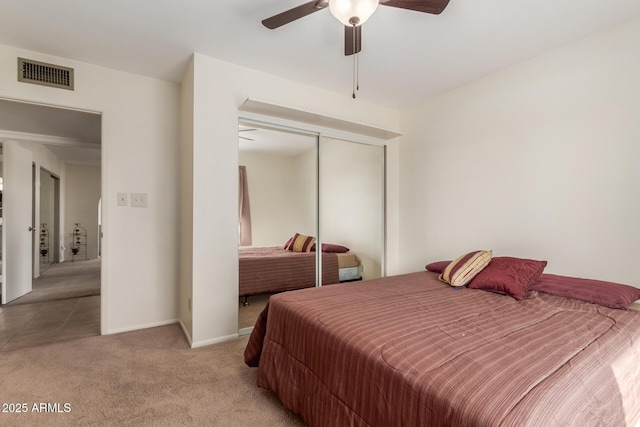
48,240
64,145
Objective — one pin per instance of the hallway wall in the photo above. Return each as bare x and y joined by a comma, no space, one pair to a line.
139,135
82,189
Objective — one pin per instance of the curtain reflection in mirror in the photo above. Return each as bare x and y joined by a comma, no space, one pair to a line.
244,209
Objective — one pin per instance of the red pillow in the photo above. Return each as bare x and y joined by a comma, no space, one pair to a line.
286,245
330,247
508,275
438,266
609,294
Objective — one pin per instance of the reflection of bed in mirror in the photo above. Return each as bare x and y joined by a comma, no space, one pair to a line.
274,269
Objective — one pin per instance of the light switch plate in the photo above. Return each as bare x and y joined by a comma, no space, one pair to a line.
139,200
123,199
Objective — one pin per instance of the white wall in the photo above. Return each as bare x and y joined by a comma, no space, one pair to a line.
140,134
277,210
306,187
219,89
539,160
82,187
352,200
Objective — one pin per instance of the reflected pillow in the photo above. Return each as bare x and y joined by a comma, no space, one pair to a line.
438,266
460,271
302,243
509,275
331,248
609,294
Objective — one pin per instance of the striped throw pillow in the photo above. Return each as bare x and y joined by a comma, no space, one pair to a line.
461,270
302,243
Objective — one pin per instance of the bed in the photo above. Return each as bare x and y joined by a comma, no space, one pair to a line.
409,350
274,269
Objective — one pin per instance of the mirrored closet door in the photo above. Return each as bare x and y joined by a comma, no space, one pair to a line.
277,202
298,192
352,207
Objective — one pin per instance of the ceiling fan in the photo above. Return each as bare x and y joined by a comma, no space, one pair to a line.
352,13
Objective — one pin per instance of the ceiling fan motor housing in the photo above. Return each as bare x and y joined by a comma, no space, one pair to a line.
353,12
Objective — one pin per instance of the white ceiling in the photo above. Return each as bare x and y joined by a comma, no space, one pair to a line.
406,57
71,135
46,120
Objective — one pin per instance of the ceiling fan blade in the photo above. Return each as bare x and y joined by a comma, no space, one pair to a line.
246,130
248,139
295,13
349,34
427,6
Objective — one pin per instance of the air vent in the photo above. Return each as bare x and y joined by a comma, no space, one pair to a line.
45,74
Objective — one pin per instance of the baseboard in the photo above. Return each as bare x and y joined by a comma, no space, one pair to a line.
245,331
144,326
186,333
202,343
214,341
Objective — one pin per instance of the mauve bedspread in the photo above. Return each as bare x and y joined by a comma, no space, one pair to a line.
273,269
411,351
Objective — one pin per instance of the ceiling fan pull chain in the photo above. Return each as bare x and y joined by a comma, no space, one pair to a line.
355,64
354,76
357,71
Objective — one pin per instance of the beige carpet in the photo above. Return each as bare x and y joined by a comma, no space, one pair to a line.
142,378
65,280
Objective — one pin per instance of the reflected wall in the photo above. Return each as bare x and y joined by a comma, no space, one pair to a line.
352,201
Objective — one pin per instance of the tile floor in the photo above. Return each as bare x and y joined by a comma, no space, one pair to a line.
27,325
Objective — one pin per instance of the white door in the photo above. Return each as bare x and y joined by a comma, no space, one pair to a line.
17,226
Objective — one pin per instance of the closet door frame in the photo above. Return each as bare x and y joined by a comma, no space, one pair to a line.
276,123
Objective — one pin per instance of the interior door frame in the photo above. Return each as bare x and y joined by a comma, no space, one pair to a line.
54,238
104,185
35,261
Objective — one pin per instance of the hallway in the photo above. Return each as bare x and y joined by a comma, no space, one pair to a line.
64,280
64,305
27,325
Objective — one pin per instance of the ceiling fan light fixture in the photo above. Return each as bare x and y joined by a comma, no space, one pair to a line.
352,12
